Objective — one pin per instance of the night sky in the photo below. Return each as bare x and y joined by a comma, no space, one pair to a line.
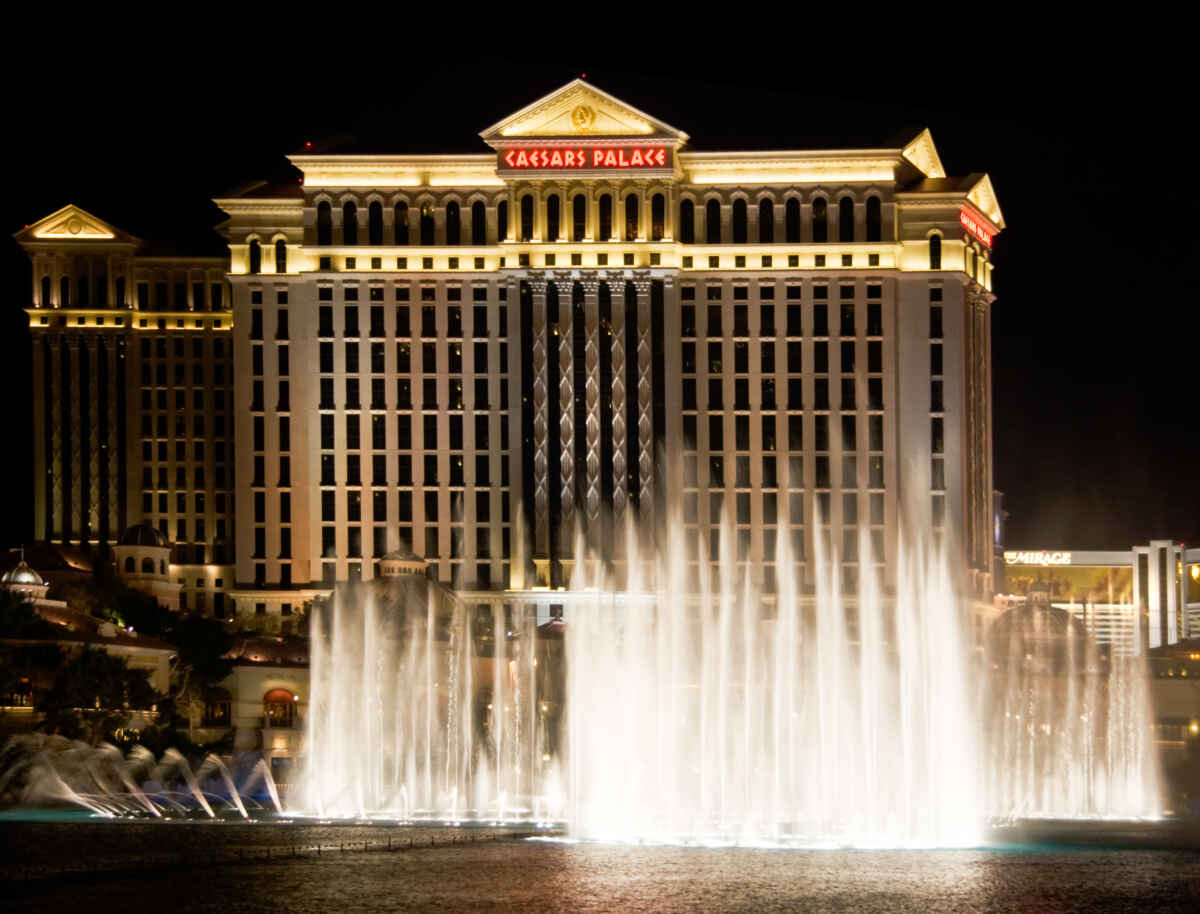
1094,330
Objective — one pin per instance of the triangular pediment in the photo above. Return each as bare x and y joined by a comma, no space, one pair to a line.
983,195
924,155
579,109
72,224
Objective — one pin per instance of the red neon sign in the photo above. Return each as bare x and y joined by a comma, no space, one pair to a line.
554,158
975,227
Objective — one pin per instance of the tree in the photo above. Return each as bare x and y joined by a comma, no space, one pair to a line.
93,695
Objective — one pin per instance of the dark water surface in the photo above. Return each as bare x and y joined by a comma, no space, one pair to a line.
181,867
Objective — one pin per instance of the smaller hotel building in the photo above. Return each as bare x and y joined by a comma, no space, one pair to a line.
1145,597
462,363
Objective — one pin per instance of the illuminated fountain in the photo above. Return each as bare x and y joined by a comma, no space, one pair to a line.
720,716
425,708
1068,724
41,770
699,710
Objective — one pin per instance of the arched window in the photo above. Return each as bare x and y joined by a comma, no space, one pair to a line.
552,217
874,219
453,223
845,220
279,708
349,223
631,217
935,252
147,566
578,217
375,223
64,292
502,220
605,218
324,223
766,221
527,218
739,221
658,217
687,222
791,220
45,302
400,223
130,565
478,223
280,256
255,256
162,566
427,224
712,221
820,221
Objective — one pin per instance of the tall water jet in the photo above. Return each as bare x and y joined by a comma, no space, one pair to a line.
422,707
1068,721
718,713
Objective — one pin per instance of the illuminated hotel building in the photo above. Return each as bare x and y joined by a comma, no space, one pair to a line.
1135,599
460,362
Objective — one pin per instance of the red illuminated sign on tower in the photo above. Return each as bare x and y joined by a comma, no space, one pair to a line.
975,227
584,158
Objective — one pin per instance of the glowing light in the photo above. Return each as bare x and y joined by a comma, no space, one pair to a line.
975,227
556,158
1194,727
1037,557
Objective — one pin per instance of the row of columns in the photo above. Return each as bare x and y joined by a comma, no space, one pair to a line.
563,352
67,502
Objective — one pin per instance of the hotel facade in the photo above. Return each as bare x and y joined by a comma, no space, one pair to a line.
463,365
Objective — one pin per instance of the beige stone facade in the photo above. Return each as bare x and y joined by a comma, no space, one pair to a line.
477,358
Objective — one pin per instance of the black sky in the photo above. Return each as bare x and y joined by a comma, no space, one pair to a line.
1095,333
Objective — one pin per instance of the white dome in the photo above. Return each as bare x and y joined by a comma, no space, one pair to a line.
22,574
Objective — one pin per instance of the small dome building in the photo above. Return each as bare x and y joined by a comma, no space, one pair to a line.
23,580
143,558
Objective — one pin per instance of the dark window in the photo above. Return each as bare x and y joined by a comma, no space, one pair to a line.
453,223
874,219
791,220
552,217
427,224
375,223
478,223
349,223
527,218
606,215
324,223
820,221
739,221
631,217
766,221
658,217
280,266
687,222
845,220
502,220
400,223
712,221
255,256
935,252
579,217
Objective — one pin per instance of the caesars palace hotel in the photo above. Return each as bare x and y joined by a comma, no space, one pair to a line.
458,364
